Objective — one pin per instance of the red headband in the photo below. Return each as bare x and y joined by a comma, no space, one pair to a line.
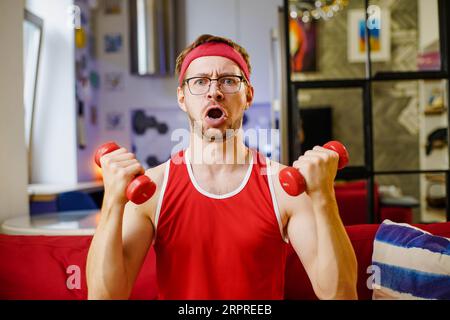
214,49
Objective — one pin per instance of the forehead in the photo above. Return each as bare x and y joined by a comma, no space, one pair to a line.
212,64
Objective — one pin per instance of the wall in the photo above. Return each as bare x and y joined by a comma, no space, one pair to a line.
87,85
135,92
13,165
54,142
246,21
56,156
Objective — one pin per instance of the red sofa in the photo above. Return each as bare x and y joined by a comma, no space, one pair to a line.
39,267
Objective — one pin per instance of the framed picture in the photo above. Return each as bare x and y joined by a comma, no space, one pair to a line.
114,121
379,37
302,42
114,81
113,43
113,7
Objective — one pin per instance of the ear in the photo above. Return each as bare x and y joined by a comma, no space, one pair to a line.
249,96
181,99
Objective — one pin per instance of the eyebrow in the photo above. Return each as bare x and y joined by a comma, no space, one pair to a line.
220,75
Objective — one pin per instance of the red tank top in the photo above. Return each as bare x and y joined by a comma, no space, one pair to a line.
218,246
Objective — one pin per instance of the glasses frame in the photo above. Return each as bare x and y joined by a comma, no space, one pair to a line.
241,79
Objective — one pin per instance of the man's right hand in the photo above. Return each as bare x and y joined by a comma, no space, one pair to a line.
119,168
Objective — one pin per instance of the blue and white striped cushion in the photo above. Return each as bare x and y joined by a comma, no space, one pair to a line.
413,263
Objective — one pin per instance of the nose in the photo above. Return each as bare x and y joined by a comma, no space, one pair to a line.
214,91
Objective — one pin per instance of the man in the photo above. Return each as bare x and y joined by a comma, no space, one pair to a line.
219,227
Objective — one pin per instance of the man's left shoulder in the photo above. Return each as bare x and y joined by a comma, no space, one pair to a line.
285,201
275,166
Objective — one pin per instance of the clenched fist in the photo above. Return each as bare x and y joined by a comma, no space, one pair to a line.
119,167
318,167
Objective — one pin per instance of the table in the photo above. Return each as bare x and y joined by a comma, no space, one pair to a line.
404,201
53,189
79,222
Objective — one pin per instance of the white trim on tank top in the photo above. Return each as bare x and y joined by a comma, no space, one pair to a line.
274,200
218,196
271,188
161,195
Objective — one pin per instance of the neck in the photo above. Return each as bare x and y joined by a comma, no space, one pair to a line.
225,155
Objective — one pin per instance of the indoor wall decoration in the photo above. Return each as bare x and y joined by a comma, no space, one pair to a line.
379,36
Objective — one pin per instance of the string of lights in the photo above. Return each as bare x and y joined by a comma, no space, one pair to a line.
309,10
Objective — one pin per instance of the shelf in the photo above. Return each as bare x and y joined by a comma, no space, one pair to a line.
49,190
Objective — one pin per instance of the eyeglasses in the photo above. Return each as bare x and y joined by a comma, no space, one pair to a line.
226,84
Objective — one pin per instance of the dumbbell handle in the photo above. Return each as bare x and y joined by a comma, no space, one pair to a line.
292,180
140,189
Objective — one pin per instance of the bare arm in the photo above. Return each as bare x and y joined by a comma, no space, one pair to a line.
117,251
321,242
123,235
316,231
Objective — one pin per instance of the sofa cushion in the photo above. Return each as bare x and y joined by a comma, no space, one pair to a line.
298,286
411,263
54,267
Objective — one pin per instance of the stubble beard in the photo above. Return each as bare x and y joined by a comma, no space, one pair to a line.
218,136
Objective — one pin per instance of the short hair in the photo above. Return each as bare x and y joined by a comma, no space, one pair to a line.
205,38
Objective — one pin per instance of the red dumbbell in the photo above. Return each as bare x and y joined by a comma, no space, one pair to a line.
293,182
140,189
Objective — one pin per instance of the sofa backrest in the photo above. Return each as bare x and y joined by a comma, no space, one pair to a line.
352,200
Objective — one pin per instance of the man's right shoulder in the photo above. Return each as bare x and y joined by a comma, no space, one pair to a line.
157,173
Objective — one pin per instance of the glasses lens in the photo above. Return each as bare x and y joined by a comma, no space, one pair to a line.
199,85
229,84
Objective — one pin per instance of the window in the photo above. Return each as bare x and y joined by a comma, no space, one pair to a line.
32,37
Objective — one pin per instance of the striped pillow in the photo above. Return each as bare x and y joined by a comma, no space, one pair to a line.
412,263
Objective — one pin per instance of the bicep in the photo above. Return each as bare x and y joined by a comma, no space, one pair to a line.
137,234
302,234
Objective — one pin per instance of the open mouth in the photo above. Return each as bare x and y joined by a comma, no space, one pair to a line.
214,113
215,116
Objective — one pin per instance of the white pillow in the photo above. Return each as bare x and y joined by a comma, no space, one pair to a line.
412,263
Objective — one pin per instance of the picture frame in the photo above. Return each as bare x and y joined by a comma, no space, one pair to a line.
380,38
303,45
113,42
114,81
113,7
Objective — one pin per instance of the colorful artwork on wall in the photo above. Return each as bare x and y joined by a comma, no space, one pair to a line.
113,7
113,42
93,115
114,81
115,120
157,133
302,39
379,36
